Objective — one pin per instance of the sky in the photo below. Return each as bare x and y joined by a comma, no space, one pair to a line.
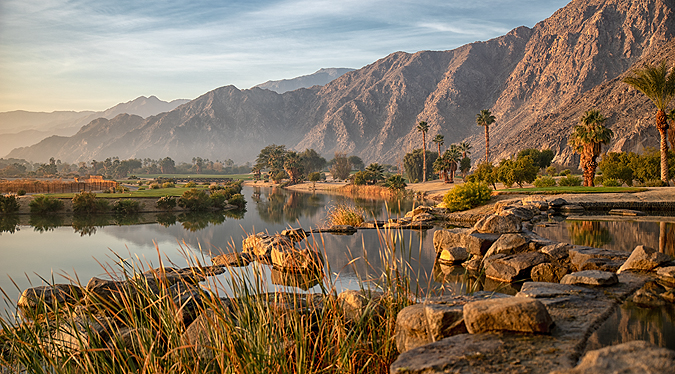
94,54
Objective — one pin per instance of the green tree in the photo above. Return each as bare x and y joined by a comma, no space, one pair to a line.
340,166
356,162
486,172
485,119
396,183
465,148
376,172
542,159
587,139
439,140
423,127
412,163
658,84
312,161
464,166
293,166
167,165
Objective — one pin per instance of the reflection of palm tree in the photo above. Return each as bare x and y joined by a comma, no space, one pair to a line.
9,223
589,233
42,223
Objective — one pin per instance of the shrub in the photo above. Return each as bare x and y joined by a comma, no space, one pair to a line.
655,183
566,172
569,181
194,199
140,183
610,182
154,186
598,180
544,181
21,192
396,183
141,188
345,215
166,202
551,171
126,206
86,202
466,196
191,184
238,199
45,204
168,185
219,198
121,189
8,204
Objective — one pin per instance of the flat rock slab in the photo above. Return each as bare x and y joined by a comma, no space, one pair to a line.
232,259
636,357
510,268
553,290
507,314
591,278
475,243
604,264
625,212
580,254
644,258
498,224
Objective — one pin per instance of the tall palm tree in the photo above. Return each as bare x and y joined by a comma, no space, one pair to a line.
465,148
423,127
658,84
453,155
671,133
439,140
485,119
587,139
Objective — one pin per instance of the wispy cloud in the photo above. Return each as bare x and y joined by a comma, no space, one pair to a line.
96,53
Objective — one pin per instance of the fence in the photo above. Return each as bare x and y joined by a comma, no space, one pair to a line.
54,186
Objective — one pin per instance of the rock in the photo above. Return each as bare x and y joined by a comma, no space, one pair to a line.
669,296
644,259
261,244
296,235
453,255
341,229
536,201
499,224
198,336
34,300
508,244
422,209
411,328
572,208
511,268
548,272
591,278
649,295
525,213
357,304
603,264
557,203
558,252
76,333
580,254
445,354
474,242
636,357
667,275
551,290
508,314
296,260
302,280
232,259
473,264
423,217
625,212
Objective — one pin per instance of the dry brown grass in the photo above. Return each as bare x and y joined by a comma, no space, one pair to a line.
375,191
52,186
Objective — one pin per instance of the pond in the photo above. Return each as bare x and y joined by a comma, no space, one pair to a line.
34,249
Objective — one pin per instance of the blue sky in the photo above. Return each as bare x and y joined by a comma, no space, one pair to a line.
91,55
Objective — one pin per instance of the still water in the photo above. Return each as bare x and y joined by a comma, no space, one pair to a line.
34,248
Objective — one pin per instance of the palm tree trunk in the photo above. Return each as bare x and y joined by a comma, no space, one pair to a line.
487,144
662,126
424,157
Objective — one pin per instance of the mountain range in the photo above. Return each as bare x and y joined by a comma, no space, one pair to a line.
536,81
320,78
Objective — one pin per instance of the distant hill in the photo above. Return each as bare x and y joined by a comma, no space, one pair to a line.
22,128
320,78
536,81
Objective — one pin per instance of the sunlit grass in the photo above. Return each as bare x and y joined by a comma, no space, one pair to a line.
176,191
574,189
343,214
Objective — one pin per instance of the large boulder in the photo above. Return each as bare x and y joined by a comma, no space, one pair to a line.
636,357
514,267
232,259
644,258
38,300
499,224
517,314
508,244
292,259
359,304
453,255
261,244
475,243
558,252
548,272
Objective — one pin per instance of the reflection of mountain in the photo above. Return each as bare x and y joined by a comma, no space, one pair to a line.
625,235
281,206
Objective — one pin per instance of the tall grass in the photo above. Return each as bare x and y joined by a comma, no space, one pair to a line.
240,328
343,214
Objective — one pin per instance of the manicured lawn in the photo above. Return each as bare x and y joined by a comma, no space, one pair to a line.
579,189
178,191
233,176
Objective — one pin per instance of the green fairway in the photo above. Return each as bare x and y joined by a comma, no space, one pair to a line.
576,189
178,191
196,176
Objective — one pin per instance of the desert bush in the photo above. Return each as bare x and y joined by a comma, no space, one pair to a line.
121,189
566,172
569,181
653,183
45,204
551,171
21,192
194,199
126,206
168,185
544,181
219,198
191,184
86,202
141,188
238,199
166,202
396,183
466,196
345,215
8,204
154,186
610,182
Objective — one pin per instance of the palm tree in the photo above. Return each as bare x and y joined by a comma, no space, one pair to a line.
465,148
485,118
587,139
453,155
423,127
658,84
441,167
671,134
439,140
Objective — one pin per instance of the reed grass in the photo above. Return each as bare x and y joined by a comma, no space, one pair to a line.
244,328
363,190
343,214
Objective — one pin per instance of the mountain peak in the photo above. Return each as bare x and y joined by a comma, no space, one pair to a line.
321,77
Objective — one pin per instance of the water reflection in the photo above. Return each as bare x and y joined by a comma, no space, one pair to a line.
9,223
620,235
276,205
42,223
304,281
460,281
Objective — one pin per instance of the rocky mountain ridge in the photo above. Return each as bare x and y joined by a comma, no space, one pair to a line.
528,78
319,78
